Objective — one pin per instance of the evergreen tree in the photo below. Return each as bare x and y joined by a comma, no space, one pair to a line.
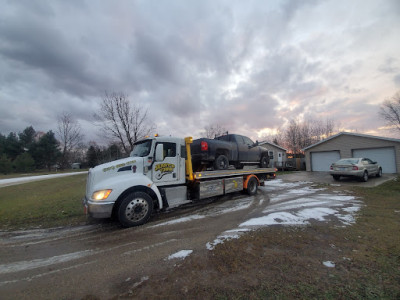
45,152
5,164
13,146
27,138
91,156
2,144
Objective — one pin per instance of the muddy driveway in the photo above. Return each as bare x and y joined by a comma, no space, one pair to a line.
105,260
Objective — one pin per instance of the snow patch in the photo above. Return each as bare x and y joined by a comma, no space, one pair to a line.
282,218
180,254
220,240
329,264
180,220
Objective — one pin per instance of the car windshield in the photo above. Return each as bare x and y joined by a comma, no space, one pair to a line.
141,149
347,161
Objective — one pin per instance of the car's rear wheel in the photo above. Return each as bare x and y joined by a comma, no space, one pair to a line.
264,162
336,177
379,174
364,178
221,163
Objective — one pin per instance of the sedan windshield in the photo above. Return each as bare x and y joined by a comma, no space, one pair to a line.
141,149
346,161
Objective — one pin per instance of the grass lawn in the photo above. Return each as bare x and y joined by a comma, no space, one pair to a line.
47,203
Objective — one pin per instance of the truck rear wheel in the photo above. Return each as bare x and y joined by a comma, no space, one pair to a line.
221,163
252,186
135,209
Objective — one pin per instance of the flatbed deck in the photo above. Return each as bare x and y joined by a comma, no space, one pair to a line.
230,172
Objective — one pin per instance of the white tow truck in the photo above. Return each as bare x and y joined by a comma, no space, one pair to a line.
158,175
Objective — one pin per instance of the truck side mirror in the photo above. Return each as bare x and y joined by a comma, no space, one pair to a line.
160,152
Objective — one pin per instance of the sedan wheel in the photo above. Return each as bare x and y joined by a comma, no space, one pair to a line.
365,176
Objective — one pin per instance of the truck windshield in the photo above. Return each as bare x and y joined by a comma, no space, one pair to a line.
141,149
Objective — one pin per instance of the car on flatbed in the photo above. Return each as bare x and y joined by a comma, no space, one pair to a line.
230,149
361,168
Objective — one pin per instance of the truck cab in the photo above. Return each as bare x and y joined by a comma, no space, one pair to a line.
142,174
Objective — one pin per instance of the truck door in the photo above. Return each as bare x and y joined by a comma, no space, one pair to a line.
253,153
168,170
242,148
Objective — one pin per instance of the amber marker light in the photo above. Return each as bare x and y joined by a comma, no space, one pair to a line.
101,195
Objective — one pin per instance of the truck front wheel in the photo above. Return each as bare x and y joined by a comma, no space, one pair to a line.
135,209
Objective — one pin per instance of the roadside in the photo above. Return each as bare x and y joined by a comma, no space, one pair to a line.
20,180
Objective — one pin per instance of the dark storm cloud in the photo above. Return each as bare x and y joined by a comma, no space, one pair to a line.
244,65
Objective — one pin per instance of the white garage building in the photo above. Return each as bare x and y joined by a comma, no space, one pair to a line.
386,151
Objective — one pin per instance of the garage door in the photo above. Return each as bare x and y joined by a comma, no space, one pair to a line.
384,156
321,161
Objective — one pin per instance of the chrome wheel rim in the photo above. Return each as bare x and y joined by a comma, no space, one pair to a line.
137,209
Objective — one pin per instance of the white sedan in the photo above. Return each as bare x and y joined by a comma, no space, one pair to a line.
355,167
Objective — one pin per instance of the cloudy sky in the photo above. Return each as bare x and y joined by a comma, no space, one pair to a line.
249,66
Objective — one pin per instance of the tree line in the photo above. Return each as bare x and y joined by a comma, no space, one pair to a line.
123,123
120,122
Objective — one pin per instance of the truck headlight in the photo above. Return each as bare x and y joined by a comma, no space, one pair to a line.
101,195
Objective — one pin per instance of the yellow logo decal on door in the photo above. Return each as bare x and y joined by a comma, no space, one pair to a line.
163,169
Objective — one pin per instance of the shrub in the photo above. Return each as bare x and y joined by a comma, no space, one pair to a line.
5,164
24,163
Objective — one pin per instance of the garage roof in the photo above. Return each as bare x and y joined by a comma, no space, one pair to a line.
353,134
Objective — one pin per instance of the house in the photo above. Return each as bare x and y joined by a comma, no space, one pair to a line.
386,151
277,154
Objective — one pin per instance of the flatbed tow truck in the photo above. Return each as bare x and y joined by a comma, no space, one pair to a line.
159,175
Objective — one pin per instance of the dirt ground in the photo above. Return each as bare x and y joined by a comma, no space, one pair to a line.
292,240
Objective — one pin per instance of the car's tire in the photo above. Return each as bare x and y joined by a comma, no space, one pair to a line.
336,177
221,163
252,186
364,178
379,174
264,161
135,209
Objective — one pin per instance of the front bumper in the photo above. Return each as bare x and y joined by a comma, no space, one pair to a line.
98,209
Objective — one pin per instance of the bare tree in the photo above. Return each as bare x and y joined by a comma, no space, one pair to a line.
299,135
122,121
390,111
70,136
214,130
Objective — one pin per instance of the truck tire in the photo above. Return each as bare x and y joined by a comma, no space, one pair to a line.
264,162
135,209
221,163
252,186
